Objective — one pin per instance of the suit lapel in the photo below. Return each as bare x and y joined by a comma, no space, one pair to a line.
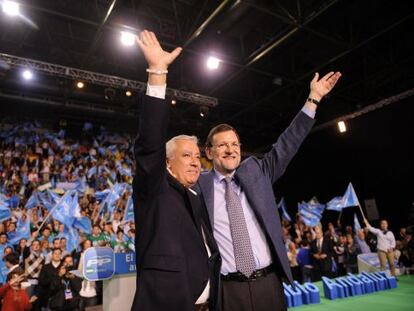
206,182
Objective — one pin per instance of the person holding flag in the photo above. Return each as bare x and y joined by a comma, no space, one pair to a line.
385,245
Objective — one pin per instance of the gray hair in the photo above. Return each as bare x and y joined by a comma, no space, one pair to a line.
171,144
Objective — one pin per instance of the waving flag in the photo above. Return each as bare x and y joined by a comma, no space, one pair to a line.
83,224
4,200
101,195
129,211
33,201
310,216
350,197
5,212
335,204
282,207
109,204
65,209
91,171
22,232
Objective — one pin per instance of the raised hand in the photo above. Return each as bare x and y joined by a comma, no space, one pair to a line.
156,57
16,280
320,87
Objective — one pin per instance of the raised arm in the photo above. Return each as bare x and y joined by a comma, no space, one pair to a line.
275,162
149,148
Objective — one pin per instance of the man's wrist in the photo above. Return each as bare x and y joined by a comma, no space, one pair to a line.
315,96
158,67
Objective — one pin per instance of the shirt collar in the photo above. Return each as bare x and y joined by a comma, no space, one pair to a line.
219,177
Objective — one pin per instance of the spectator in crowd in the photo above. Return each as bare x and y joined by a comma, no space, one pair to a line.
65,287
361,242
305,261
12,262
339,250
47,275
322,251
401,234
13,296
32,267
96,237
88,292
351,253
386,245
292,257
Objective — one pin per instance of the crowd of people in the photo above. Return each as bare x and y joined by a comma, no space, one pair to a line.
37,266
314,252
39,253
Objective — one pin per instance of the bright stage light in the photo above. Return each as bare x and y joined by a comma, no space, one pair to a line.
128,93
213,63
342,126
11,8
203,111
80,85
27,75
127,38
173,102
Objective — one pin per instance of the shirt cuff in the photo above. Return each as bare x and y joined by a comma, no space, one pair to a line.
156,90
309,112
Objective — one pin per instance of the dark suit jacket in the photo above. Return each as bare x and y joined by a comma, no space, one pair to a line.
256,178
172,262
324,265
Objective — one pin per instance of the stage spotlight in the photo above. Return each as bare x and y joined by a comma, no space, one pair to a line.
128,93
109,94
213,63
203,111
27,74
173,102
342,126
127,38
80,85
11,8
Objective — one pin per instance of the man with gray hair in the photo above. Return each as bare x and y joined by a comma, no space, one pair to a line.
177,258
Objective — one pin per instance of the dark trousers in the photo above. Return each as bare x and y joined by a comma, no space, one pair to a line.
263,294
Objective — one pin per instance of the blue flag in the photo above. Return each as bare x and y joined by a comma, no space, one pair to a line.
22,232
5,212
4,200
350,197
91,171
282,207
66,209
83,224
336,204
72,238
129,210
33,201
311,217
109,204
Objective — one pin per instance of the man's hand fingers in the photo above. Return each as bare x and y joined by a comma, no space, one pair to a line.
327,76
315,78
154,38
176,52
140,43
145,38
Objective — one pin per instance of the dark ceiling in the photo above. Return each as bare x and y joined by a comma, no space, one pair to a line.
269,51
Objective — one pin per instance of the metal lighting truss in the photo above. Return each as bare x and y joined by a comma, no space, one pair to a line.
102,79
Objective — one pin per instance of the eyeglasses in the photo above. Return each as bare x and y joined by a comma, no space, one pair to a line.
223,146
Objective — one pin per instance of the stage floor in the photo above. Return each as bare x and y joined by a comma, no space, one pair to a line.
398,299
